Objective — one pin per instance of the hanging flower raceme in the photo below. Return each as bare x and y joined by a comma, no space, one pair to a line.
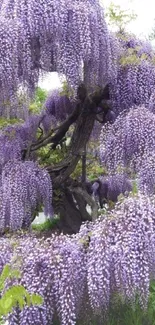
16,138
25,187
55,268
11,145
146,174
69,37
135,80
108,188
56,108
62,269
123,143
124,257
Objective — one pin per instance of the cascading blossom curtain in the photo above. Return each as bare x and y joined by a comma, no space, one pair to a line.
63,36
123,144
135,81
78,275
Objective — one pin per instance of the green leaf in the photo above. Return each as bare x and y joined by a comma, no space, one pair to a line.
7,304
28,300
152,287
36,299
134,188
4,275
2,309
16,294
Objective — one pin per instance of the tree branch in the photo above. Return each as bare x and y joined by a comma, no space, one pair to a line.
61,131
80,137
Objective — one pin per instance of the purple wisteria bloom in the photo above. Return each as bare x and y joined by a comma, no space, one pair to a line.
24,187
123,144
70,37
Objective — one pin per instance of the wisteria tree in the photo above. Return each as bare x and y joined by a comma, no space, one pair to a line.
70,37
105,75
109,86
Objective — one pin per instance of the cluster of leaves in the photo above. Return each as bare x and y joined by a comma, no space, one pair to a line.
93,167
16,295
131,45
118,17
39,98
48,157
6,122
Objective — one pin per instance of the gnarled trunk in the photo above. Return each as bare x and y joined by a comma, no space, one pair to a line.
71,203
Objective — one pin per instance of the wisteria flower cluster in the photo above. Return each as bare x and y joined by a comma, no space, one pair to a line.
108,188
16,138
55,268
24,188
70,37
123,144
56,109
135,81
114,255
124,253
146,174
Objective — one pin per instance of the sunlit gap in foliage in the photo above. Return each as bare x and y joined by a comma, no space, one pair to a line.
50,81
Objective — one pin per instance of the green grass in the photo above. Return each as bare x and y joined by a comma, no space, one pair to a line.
120,313
47,225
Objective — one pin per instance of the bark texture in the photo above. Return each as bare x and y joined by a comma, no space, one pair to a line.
69,197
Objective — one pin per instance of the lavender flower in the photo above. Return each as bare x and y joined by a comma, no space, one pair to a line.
24,187
56,108
146,174
69,37
135,80
108,188
62,269
55,268
123,243
123,143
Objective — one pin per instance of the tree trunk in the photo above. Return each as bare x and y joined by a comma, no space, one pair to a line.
71,202
81,134
84,165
